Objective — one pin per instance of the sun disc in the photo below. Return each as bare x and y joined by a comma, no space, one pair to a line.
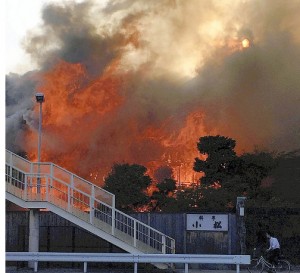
245,43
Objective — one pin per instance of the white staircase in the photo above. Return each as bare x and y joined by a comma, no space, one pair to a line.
46,185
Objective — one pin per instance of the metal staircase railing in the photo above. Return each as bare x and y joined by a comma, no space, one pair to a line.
49,183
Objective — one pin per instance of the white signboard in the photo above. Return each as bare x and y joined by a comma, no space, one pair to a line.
207,222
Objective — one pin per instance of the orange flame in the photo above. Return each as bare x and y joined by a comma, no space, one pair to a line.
86,129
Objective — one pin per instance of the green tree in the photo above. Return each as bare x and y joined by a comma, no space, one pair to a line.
129,184
216,199
285,178
220,159
183,200
227,175
163,199
253,171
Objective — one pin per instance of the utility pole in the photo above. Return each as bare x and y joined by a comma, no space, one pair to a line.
241,226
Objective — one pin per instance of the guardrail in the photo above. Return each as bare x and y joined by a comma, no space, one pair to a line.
185,259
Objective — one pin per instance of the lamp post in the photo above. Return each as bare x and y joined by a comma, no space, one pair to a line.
40,98
34,220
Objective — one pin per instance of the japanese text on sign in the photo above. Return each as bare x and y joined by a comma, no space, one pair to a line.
208,222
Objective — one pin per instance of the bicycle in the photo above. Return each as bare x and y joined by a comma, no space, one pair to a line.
261,264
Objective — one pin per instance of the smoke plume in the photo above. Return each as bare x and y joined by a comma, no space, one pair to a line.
141,81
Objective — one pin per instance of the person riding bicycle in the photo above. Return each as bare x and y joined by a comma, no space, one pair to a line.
273,250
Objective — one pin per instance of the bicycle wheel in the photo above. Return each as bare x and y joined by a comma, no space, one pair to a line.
283,266
255,266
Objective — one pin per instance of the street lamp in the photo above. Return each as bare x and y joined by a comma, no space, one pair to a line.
40,98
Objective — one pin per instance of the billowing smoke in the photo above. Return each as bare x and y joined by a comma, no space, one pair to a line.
141,81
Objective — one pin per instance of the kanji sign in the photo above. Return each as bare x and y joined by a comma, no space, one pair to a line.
207,222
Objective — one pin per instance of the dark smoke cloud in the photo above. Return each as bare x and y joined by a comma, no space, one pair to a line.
178,57
255,94
68,35
19,104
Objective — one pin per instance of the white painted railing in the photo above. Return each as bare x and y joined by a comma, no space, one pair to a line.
90,203
185,259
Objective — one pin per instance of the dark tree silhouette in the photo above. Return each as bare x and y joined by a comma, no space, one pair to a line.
129,184
219,161
163,198
227,175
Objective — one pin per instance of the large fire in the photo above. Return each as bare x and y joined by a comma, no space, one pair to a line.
77,109
141,81
91,122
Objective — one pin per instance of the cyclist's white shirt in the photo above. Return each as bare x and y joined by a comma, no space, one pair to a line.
274,243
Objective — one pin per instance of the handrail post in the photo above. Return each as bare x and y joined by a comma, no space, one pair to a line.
11,166
69,198
47,188
237,268
92,197
163,250
25,187
173,246
31,180
134,232
186,268
135,267
113,216
72,190
51,175
148,230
